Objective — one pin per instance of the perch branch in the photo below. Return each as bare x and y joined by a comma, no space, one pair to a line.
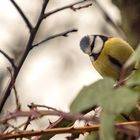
72,130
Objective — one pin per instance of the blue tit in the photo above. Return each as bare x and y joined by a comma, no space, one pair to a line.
107,54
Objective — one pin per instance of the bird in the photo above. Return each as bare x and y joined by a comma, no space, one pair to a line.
108,55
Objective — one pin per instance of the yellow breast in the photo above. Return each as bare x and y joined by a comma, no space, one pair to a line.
114,54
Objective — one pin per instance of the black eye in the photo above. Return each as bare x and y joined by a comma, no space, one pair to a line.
114,61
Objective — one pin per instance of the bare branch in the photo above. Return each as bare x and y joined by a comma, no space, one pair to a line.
70,6
65,34
29,45
9,59
27,50
29,25
64,130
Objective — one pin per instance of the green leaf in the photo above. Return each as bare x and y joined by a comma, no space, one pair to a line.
107,126
91,95
120,100
103,94
133,58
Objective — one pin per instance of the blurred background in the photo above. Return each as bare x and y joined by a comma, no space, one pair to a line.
55,71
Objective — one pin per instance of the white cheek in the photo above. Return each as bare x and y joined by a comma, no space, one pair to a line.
98,44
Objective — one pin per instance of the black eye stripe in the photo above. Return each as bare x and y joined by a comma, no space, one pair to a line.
92,45
114,61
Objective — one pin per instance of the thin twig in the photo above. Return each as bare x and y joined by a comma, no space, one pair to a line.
17,99
22,124
27,123
12,126
69,6
5,128
18,105
28,23
64,130
9,59
52,125
65,34
122,79
32,105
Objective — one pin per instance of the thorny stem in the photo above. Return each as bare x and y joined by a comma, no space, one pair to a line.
65,130
40,113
